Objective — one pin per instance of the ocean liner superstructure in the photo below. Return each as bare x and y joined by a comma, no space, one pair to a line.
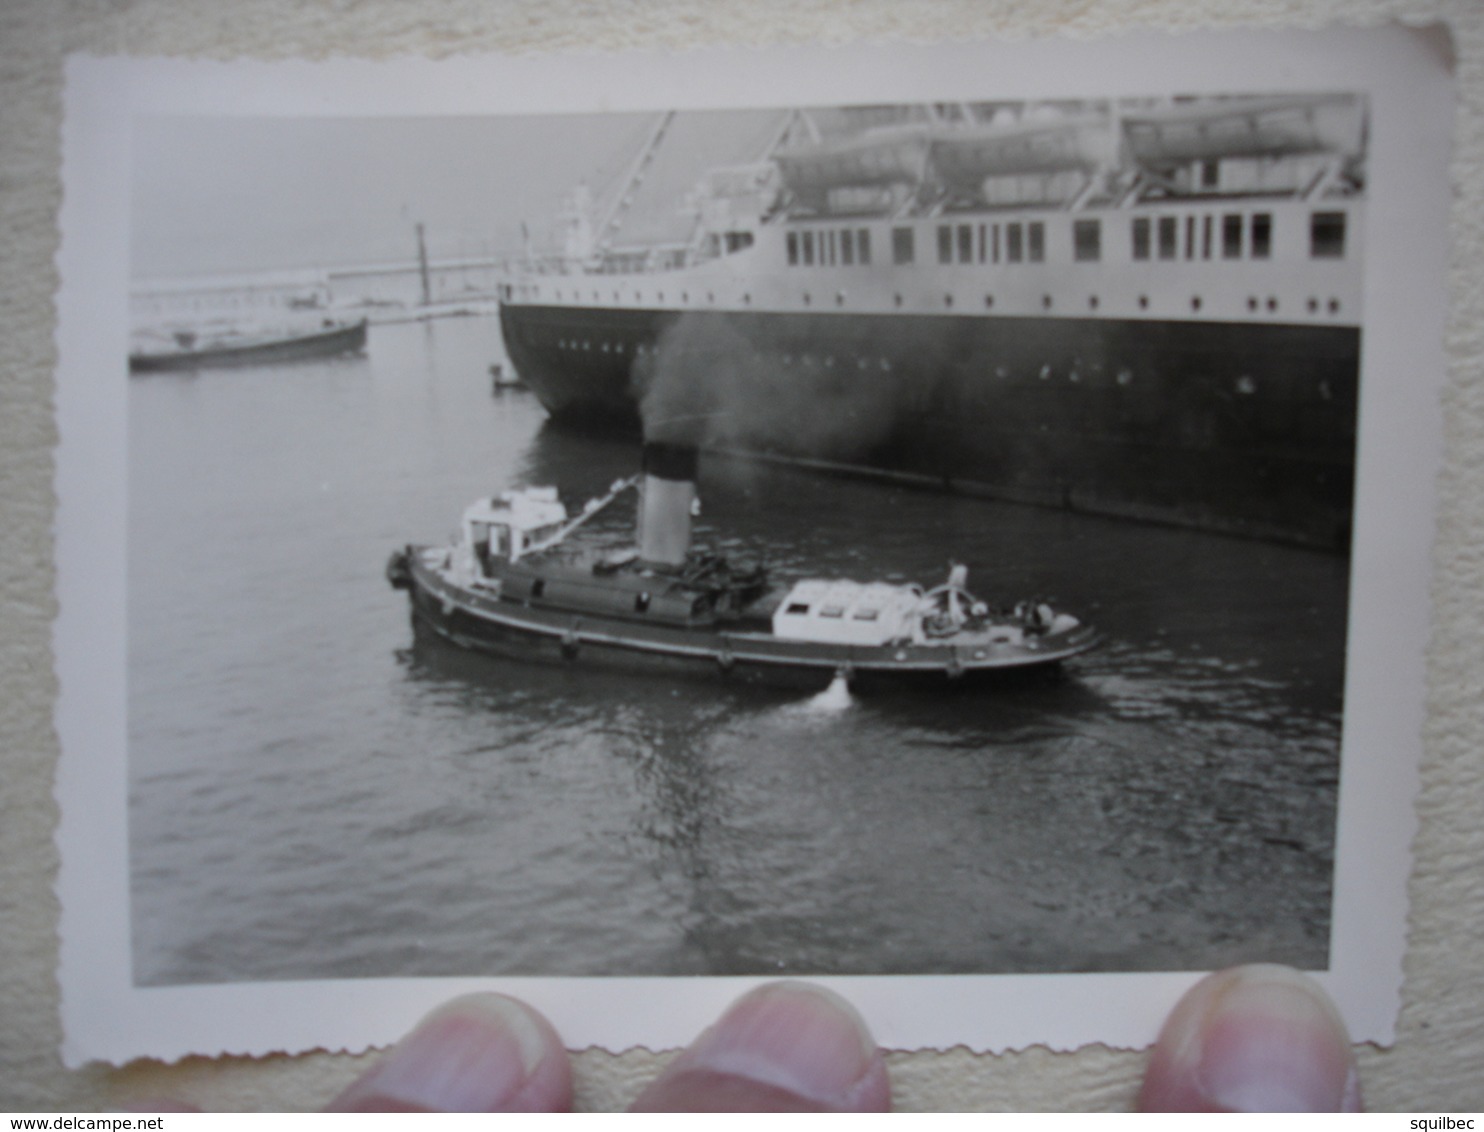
1147,309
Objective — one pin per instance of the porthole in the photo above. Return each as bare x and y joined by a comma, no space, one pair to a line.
948,300
1143,302
1246,385
1313,305
1045,372
1092,302
1045,302
1334,306
747,299
1195,302
839,298
1272,303
897,298
988,302
807,300
1125,377
1252,302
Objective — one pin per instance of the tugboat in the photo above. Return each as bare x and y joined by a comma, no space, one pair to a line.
513,585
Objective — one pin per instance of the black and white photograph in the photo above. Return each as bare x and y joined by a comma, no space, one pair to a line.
829,538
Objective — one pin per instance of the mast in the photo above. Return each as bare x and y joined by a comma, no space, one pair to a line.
422,265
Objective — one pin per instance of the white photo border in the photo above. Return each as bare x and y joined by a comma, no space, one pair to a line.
1406,74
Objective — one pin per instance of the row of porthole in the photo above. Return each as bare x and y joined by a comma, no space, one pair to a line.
1254,304
659,297
1245,384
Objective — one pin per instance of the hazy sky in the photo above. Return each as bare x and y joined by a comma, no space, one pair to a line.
218,195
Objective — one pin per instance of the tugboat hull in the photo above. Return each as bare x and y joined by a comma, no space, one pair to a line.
488,623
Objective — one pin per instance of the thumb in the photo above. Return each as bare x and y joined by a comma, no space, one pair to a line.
784,1047
1261,1038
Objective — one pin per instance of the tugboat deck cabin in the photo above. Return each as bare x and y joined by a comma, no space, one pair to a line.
505,543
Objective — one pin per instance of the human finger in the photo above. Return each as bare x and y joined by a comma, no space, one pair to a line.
783,1047
1260,1038
479,1053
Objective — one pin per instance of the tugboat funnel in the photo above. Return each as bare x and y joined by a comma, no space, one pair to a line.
665,509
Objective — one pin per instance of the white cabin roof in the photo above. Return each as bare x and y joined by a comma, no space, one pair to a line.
521,509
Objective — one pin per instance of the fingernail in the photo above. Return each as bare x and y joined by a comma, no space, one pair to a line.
475,1054
799,1038
1262,1038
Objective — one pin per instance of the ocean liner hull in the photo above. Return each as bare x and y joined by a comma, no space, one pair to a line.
1240,427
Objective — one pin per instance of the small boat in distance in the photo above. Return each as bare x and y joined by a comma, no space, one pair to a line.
511,584
503,376
189,351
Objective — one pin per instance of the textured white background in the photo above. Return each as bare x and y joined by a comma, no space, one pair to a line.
1437,1063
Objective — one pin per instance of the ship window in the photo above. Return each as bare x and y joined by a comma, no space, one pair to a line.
641,602
829,247
1190,237
902,251
793,249
1169,236
1327,235
847,247
1231,236
945,244
798,608
1014,243
832,611
1262,235
994,237
808,248
965,243
982,243
1036,242
867,614
1210,174
1141,237
1087,240
538,587
863,246
1207,227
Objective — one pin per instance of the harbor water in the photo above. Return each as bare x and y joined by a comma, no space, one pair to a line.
317,790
